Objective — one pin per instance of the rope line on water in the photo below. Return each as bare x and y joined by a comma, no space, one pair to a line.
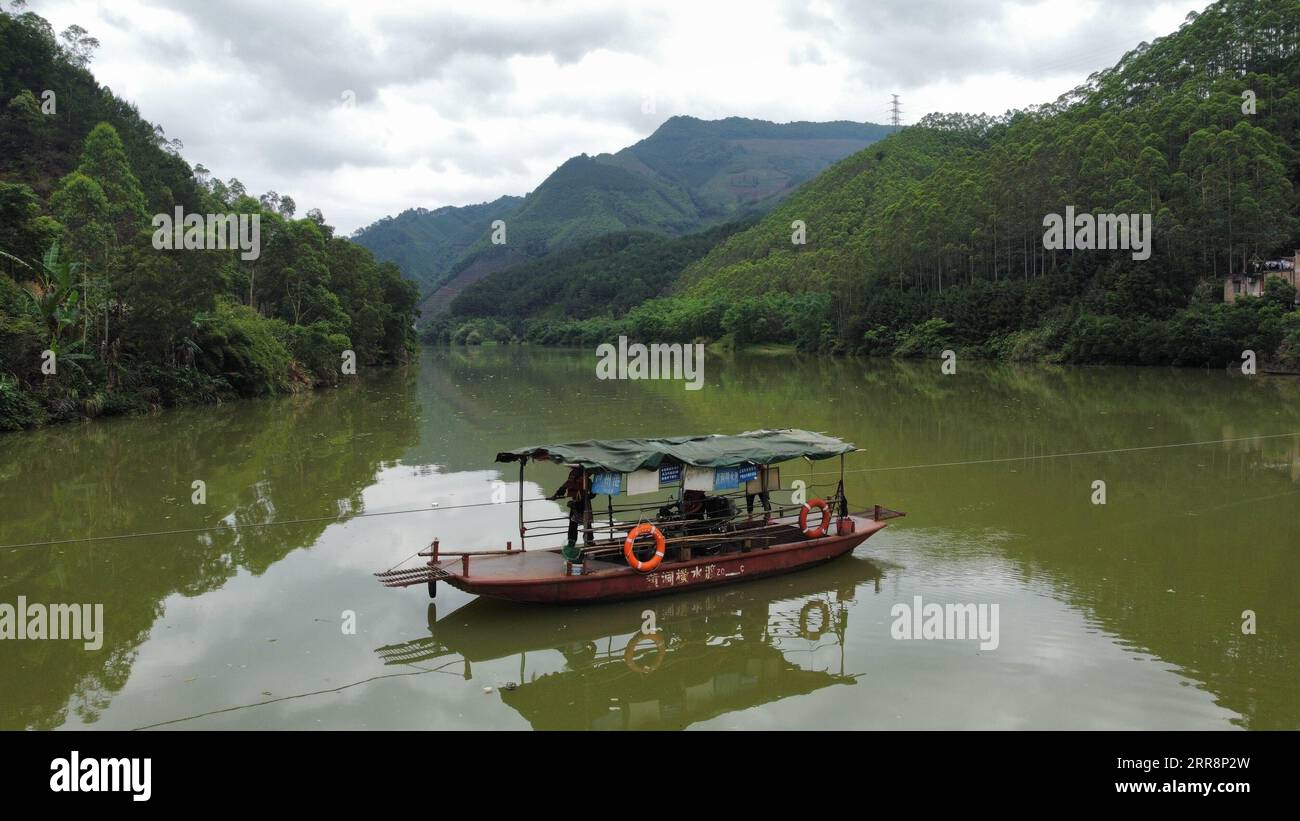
348,518
419,671
237,527
1067,454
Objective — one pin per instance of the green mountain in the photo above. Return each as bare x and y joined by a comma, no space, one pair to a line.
934,237
689,174
427,244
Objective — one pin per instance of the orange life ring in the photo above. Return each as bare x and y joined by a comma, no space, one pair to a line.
629,654
651,563
820,530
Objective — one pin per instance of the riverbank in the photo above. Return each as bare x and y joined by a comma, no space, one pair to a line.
1108,344
234,354
973,321
22,408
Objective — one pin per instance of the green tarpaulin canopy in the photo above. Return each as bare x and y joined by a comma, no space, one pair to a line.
760,447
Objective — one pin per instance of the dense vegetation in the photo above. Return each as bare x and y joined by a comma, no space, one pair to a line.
608,275
131,327
616,282
687,175
933,238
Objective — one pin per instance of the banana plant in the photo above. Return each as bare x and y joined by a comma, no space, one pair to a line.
54,294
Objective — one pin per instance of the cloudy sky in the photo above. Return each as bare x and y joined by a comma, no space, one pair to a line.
369,107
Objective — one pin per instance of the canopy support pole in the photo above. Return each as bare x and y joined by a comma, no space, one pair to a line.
522,529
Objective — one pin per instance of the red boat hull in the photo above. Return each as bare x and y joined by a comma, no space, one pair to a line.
538,576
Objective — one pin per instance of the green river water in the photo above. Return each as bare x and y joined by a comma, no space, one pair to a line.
1122,615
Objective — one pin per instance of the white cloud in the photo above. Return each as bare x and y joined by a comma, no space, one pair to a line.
460,103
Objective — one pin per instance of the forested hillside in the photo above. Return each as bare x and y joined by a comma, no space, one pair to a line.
427,244
687,175
606,276
933,238
131,327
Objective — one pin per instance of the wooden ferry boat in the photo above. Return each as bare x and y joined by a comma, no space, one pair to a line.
698,538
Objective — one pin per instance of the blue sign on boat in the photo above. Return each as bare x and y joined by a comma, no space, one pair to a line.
608,484
726,478
748,473
669,474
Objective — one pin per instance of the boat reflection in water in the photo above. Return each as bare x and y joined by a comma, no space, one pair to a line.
715,652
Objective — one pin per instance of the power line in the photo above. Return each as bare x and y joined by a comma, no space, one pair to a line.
348,518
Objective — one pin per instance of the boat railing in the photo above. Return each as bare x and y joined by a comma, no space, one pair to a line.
698,527
675,528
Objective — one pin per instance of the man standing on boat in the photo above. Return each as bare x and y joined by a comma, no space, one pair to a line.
578,488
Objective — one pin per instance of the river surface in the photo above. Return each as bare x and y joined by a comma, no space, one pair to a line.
1127,614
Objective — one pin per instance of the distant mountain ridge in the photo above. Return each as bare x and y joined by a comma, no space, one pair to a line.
688,175
426,244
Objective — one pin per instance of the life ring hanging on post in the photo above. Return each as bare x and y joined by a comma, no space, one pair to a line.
820,530
641,530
